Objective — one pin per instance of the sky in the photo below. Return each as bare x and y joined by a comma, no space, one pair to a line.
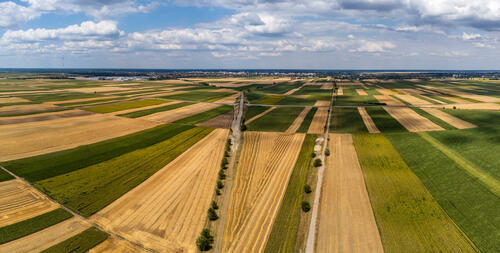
257,34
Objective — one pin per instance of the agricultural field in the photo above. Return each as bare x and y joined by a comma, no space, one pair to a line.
175,166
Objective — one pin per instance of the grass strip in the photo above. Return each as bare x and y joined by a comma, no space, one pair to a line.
296,101
30,226
407,215
278,120
125,106
283,235
204,116
90,189
4,176
434,119
79,243
142,113
205,96
346,120
384,121
307,121
53,164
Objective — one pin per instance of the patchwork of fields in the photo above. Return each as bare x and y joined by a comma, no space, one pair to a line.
149,166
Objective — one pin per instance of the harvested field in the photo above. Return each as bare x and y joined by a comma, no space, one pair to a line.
199,95
411,120
168,210
25,109
482,98
452,120
340,91
100,89
260,115
13,100
180,113
370,125
143,108
19,202
46,238
81,100
155,109
319,121
346,221
35,138
125,106
327,86
322,103
264,169
454,99
221,121
469,106
298,121
388,100
43,117
412,99
361,92
116,245
387,92
229,99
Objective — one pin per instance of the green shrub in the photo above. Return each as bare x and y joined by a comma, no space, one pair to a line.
220,185
205,241
214,205
217,191
306,206
222,176
224,161
317,162
212,215
243,127
327,152
313,154
82,242
307,189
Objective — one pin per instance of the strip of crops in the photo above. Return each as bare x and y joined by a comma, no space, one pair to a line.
90,102
425,98
205,96
346,120
407,215
254,111
307,120
204,116
80,243
296,101
30,226
92,188
469,203
125,106
278,120
58,96
268,100
4,176
384,121
61,162
284,233
434,119
283,87
142,113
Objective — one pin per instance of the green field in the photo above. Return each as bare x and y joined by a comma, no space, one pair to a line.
96,101
79,243
296,101
145,112
346,120
281,88
30,226
126,106
58,96
205,96
278,120
284,232
434,119
58,109
4,176
204,116
407,215
267,99
307,121
90,189
471,205
254,111
384,121
53,164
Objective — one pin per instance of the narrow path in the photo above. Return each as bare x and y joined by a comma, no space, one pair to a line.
484,177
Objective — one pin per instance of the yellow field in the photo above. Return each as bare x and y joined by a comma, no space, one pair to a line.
180,113
319,121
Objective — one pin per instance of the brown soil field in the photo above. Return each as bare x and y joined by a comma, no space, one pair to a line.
388,100
327,86
12,100
370,125
35,138
20,109
340,91
470,106
346,222
265,165
298,121
46,238
43,116
322,103
260,115
450,119
387,92
180,113
361,92
167,212
116,245
411,120
229,99
19,202
100,89
221,121
412,100
318,123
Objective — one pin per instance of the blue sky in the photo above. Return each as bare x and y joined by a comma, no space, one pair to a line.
314,34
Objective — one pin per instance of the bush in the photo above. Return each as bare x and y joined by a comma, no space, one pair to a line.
306,206
222,176
205,241
212,215
220,185
214,205
313,154
317,162
243,127
229,142
327,152
224,161
226,153
307,189
217,191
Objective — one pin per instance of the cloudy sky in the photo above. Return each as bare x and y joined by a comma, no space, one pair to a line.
311,34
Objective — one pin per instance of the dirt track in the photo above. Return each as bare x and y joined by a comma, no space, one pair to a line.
265,166
298,121
346,220
180,113
168,211
411,120
19,202
452,120
370,125
35,138
46,238
319,121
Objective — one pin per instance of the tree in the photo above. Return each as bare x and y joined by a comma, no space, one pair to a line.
222,175
317,162
243,127
327,152
306,206
212,215
313,154
217,191
214,205
220,185
205,241
307,189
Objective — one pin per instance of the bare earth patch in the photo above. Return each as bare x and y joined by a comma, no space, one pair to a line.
319,121
221,121
411,120
370,125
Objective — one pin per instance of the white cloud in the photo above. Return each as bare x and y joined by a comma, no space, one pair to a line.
12,14
374,46
470,36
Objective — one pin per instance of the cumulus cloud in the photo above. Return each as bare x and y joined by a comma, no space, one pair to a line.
374,46
470,36
12,14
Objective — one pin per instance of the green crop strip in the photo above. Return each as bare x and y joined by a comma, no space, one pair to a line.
278,120
204,116
384,121
4,176
307,121
142,113
125,106
346,120
205,96
80,243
